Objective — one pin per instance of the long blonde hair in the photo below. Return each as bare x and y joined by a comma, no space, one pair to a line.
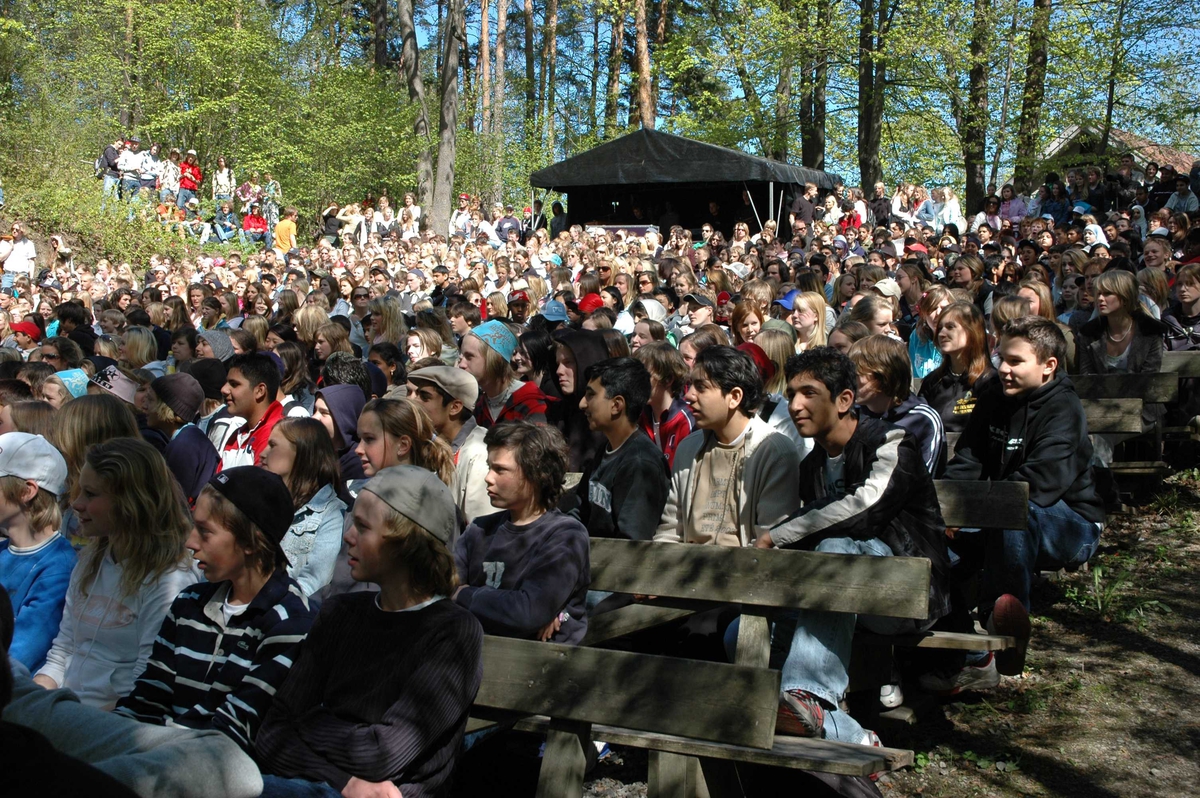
388,318
140,347
149,509
405,418
816,303
86,422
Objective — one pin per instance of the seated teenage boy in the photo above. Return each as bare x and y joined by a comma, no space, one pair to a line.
1030,427
866,491
627,485
666,417
224,648
35,560
251,385
377,700
706,502
525,570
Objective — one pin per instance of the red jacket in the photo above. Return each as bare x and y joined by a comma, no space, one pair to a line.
527,403
190,176
245,446
254,224
675,425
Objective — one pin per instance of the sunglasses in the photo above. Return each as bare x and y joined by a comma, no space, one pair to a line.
357,295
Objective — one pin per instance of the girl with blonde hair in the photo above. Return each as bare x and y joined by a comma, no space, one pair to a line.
387,321
139,350
396,432
308,320
135,516
808,320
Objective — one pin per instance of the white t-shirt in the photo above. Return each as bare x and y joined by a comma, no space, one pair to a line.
23,257
231,610
835,476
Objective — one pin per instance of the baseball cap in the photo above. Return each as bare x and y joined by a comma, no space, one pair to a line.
888,287
518,296
32,457
418,495
456,382
464,196
27,327
554,311
762,361
788,300
699,299
262,496
1081,208
116,383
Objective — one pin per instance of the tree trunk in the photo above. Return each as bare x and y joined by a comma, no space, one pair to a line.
595,88
1117,57
549,61
612,97
497,145
410,60
645,94
379,31
1032,97
530,76
660,38
975,114
783,101
1002,132
443,187
485,68
126,110
872,79
812,88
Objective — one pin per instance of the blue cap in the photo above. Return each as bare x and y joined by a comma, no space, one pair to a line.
789,299
554,311
497,335
556,260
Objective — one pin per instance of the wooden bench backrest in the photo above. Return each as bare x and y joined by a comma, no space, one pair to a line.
991,505
1113,415
1154,388
704,700
1182,364
892,586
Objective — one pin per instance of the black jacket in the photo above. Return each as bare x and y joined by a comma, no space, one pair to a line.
1040,438
1145,354
889,496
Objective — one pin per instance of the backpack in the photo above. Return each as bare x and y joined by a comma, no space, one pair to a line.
100,167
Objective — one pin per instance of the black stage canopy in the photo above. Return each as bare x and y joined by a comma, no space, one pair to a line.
653,177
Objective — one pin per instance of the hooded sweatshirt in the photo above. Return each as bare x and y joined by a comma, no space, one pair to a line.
1039,437
345,403
582,443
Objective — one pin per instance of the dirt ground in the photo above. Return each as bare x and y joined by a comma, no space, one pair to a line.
1109,704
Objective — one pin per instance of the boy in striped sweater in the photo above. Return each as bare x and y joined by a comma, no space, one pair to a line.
227,644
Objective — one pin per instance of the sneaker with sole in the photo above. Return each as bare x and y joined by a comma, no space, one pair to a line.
800,715
983,676
1009,617
891,696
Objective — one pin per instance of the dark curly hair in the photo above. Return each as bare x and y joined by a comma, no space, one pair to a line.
540,452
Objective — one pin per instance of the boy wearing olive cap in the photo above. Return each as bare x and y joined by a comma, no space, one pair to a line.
225,646
377,701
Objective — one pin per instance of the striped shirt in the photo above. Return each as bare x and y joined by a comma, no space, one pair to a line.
204,673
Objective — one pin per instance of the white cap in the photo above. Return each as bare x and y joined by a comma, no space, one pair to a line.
32,457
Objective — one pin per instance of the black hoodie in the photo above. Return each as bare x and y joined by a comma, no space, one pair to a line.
1040,437
345,403
582,444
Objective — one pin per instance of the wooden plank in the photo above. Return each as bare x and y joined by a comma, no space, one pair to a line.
627,620
1182,364
960,641
706,700
1113,415
891,586
1160,387
983,504
796,753
754,641
1149,468
564,761
674,776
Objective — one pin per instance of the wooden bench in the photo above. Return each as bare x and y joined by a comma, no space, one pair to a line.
683,708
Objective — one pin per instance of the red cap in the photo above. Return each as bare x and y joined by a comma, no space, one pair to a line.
765,365
528,209
723,297
590,303
918,248
518,296
464,196
27,327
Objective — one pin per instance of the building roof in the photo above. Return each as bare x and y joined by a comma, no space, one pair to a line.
1144,151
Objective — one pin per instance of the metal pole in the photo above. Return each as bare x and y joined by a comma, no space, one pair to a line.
771,199
752,206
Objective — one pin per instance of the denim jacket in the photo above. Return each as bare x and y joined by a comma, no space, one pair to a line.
314,540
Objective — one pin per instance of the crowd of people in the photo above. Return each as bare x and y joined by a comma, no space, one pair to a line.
280,495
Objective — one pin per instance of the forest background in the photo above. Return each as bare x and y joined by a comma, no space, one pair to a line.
339,99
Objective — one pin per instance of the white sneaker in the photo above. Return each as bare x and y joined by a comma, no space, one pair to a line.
983,676
891,696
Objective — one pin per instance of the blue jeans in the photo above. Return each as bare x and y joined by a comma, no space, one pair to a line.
224,233
260,238
185,194
278,787
130,186
1057,537
112,187
815,645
